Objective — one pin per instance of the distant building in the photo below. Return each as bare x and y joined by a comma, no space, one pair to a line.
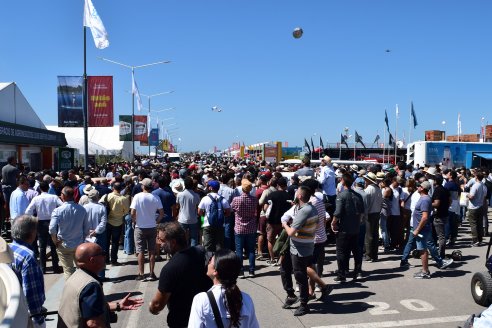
23,134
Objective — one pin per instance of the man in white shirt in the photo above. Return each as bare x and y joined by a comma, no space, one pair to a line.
327,180
143,211
43,205
213,235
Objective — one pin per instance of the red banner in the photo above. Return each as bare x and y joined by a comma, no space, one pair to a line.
140,128
100,104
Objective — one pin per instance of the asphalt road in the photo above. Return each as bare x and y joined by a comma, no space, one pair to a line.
386,296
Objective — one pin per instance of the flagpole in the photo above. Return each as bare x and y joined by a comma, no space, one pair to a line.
86,138
396,130
384,145
410,127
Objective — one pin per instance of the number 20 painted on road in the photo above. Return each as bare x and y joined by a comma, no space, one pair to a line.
382,308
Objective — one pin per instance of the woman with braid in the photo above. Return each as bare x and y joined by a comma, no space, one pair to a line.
233,308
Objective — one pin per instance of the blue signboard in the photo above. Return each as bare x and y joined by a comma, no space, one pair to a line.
449,154
154,137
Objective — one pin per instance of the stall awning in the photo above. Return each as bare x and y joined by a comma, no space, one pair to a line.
487,156
18,134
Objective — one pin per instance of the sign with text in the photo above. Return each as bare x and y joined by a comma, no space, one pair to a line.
70,92
66,158
125,128
100,100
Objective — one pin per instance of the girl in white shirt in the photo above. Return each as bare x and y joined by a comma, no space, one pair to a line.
235,307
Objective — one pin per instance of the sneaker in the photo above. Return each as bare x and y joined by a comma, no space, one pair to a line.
271,262
357,275
340,279
297,289
404,264
302,310
251,274
445,263
422,275
476,244
115,263
260,258
317,289
289,301
139,277
325,291
312,297
242,276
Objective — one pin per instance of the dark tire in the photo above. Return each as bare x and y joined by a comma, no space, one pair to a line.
481,288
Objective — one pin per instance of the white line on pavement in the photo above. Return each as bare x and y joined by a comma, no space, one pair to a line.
401,323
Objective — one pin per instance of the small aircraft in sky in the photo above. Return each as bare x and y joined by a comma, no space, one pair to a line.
216,109
388,50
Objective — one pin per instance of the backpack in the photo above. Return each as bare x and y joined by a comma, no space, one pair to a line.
216,212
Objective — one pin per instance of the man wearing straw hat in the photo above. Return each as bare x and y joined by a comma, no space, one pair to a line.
374,204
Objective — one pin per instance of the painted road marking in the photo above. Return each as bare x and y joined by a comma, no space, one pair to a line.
401,323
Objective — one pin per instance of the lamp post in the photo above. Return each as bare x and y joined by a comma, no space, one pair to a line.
482,130
133,96
444,128
148,98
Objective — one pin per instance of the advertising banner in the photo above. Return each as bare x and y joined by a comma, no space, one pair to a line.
66,158
165,145
70,92
100,103
154,137
140,128
125,128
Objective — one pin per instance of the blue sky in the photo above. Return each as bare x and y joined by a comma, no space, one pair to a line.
241,56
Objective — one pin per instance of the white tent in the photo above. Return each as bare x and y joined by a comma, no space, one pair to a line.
12,98
102,140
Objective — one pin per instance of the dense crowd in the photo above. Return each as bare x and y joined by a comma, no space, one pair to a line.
205,215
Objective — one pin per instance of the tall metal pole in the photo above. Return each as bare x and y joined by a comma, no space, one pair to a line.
148,128
84,107
133,121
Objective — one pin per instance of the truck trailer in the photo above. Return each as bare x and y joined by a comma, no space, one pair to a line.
450,154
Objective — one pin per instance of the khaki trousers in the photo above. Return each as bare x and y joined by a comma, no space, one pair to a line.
67,260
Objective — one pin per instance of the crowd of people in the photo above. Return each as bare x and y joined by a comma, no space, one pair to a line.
205,215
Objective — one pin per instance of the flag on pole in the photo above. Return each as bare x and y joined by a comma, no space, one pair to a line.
376,140
94,22
414,117
136,93
386,120
391,140
321,144
343,140
459,124
312,144
307,145
358,139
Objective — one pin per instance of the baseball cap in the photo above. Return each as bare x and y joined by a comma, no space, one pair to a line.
425,185
214,184
360,181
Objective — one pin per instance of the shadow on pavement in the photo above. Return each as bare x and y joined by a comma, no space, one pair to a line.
120,279
118,296
449,273
339,308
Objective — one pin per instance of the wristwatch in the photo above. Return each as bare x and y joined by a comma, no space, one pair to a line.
118,307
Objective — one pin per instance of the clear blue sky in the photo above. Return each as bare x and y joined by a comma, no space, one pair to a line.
241,56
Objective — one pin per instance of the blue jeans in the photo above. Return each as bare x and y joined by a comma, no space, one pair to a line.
247,241
229,233
192,230
384,230
412,240
427,242
129,241
102,240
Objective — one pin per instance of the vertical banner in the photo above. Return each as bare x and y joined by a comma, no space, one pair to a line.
125,128
100,105
154,137
66,159
140,128
165,145
70,93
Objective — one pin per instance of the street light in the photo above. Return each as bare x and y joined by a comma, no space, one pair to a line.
149,97
133,96
444,128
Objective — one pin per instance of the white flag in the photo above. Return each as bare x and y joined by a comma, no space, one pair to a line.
459,124
94,22
136,93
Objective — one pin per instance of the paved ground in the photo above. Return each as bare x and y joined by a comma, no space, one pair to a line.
386,297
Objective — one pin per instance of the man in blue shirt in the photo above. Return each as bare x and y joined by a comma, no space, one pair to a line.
18,199
69,226
26,267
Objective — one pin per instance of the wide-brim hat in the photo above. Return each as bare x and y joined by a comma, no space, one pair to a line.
177,187
87,189
371,177
431,171
380,176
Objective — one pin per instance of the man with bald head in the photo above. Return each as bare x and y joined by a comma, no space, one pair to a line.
82,303
69,226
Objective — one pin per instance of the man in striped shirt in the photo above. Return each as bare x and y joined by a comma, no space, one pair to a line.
301,232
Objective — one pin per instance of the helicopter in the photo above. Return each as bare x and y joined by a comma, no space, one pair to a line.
216,109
